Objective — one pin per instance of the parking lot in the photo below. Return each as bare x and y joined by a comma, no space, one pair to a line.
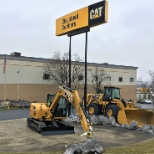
145,106
15,136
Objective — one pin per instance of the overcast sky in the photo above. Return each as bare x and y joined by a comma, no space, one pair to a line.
28,26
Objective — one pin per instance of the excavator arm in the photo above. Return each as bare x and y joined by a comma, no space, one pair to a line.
72,97
41,113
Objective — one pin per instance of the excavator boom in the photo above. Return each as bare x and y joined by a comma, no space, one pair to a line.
43,120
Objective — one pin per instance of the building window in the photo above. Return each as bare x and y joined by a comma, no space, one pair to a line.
80,77
120,79
139,97
46,76
108,78
131,79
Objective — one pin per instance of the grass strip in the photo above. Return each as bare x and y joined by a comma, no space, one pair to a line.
140,148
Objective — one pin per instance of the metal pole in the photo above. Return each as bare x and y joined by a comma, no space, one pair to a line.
5,88
85,86
18,83
18,88
5,73
69,105
70,64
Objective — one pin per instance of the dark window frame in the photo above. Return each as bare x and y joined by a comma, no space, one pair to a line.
131,79
120,79
109,78
46,76
80,77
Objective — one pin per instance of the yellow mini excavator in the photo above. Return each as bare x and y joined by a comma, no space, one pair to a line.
110,104
45,120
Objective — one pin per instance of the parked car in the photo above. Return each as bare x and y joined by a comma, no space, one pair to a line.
140,101
148,101
145,101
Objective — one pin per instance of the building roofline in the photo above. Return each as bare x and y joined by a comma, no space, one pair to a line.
44,60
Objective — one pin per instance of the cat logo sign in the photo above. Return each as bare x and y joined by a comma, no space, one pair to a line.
89,16
98,13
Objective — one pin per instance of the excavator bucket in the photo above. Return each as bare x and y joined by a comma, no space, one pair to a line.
50,128
141,116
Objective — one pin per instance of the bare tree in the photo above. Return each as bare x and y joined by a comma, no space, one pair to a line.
147,87
98,77
143,85
58,68
151,73
151,90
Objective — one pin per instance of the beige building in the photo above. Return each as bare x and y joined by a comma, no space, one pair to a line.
24,78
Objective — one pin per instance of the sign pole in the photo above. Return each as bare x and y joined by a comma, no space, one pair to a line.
85,86
70,64
69,105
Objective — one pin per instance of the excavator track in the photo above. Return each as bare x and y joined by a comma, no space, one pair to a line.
50,128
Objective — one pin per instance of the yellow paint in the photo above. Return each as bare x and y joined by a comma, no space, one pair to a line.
106,11
73,21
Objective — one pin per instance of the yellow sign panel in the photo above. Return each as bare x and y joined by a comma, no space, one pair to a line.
89,16
72,21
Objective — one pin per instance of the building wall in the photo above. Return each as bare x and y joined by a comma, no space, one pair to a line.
29,72
38,92
128,92
115,73
30,85
30,92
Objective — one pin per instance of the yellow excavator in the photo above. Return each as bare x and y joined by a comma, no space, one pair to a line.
109,103
47,118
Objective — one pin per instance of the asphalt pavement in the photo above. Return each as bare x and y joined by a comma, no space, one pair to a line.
14,114
24,113
145,106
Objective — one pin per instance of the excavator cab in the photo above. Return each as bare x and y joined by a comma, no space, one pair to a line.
61,106
111,93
